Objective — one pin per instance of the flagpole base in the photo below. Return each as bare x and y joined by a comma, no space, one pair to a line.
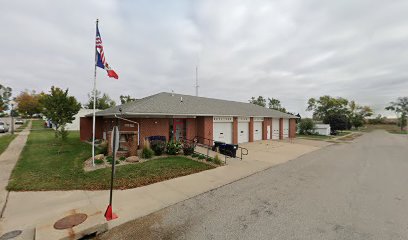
109,215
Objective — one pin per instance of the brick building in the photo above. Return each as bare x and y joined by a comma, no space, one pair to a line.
177,116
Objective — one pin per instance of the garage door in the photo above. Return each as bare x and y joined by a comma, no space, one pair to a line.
243,130
268,132
257,129
275,128
222,129
285,128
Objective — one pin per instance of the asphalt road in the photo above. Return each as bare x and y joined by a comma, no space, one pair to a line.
345,191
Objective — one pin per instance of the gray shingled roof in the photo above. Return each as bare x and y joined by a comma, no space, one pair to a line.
169,104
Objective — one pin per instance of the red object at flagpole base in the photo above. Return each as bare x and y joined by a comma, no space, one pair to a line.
109,215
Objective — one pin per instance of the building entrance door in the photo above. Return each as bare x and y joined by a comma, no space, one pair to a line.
179,129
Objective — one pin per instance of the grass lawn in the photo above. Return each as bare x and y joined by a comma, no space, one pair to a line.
342,133
48,164
5,141
314,137
391,128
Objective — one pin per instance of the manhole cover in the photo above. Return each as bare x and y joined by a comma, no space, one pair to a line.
10,235
70,221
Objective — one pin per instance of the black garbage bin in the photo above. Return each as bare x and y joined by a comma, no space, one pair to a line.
229,149
217,145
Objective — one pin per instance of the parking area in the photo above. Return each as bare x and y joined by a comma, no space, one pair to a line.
279,151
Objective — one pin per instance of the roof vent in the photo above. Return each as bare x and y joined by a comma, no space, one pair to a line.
181,99
172,93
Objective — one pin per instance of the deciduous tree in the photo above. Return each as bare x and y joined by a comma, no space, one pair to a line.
261,101
125,99
337,121
274,103
103,102
28,103
400,107
338,112
358,114
5,95
327,105
306,126
60,108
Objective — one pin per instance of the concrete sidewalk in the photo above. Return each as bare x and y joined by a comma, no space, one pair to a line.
26,209
8,159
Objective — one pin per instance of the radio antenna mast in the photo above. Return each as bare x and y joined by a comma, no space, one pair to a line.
196,86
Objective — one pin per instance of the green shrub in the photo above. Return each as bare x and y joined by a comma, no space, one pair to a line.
103,148
188,149
147,153
109,159
122,158
306,126
217,160
201,157
99,161
194,155
173,147
158,147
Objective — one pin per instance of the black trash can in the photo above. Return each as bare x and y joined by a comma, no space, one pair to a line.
229,149
216,145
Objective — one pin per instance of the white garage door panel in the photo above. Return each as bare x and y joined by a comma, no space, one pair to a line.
285,128
222,131
257,131
268,132
243,132
275,128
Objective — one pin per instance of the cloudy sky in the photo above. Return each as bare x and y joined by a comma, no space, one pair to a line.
287,49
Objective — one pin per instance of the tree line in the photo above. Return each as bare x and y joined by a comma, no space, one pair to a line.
273,103
30,103
340,113
56,105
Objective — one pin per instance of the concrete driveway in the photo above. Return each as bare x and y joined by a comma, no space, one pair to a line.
354,191
276,152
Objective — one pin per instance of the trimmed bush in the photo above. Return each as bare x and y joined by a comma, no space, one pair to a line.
173,147
109,159
306,126
194,155
99,161
147,153
201,157
158,147
188,149
103,148
122,158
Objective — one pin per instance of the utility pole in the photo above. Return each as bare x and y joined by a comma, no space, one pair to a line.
12,117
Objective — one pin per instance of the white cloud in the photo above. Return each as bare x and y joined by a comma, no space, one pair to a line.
287,49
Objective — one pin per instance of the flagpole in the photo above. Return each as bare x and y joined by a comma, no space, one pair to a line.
94,105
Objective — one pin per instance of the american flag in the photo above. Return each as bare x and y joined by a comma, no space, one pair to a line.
100,58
